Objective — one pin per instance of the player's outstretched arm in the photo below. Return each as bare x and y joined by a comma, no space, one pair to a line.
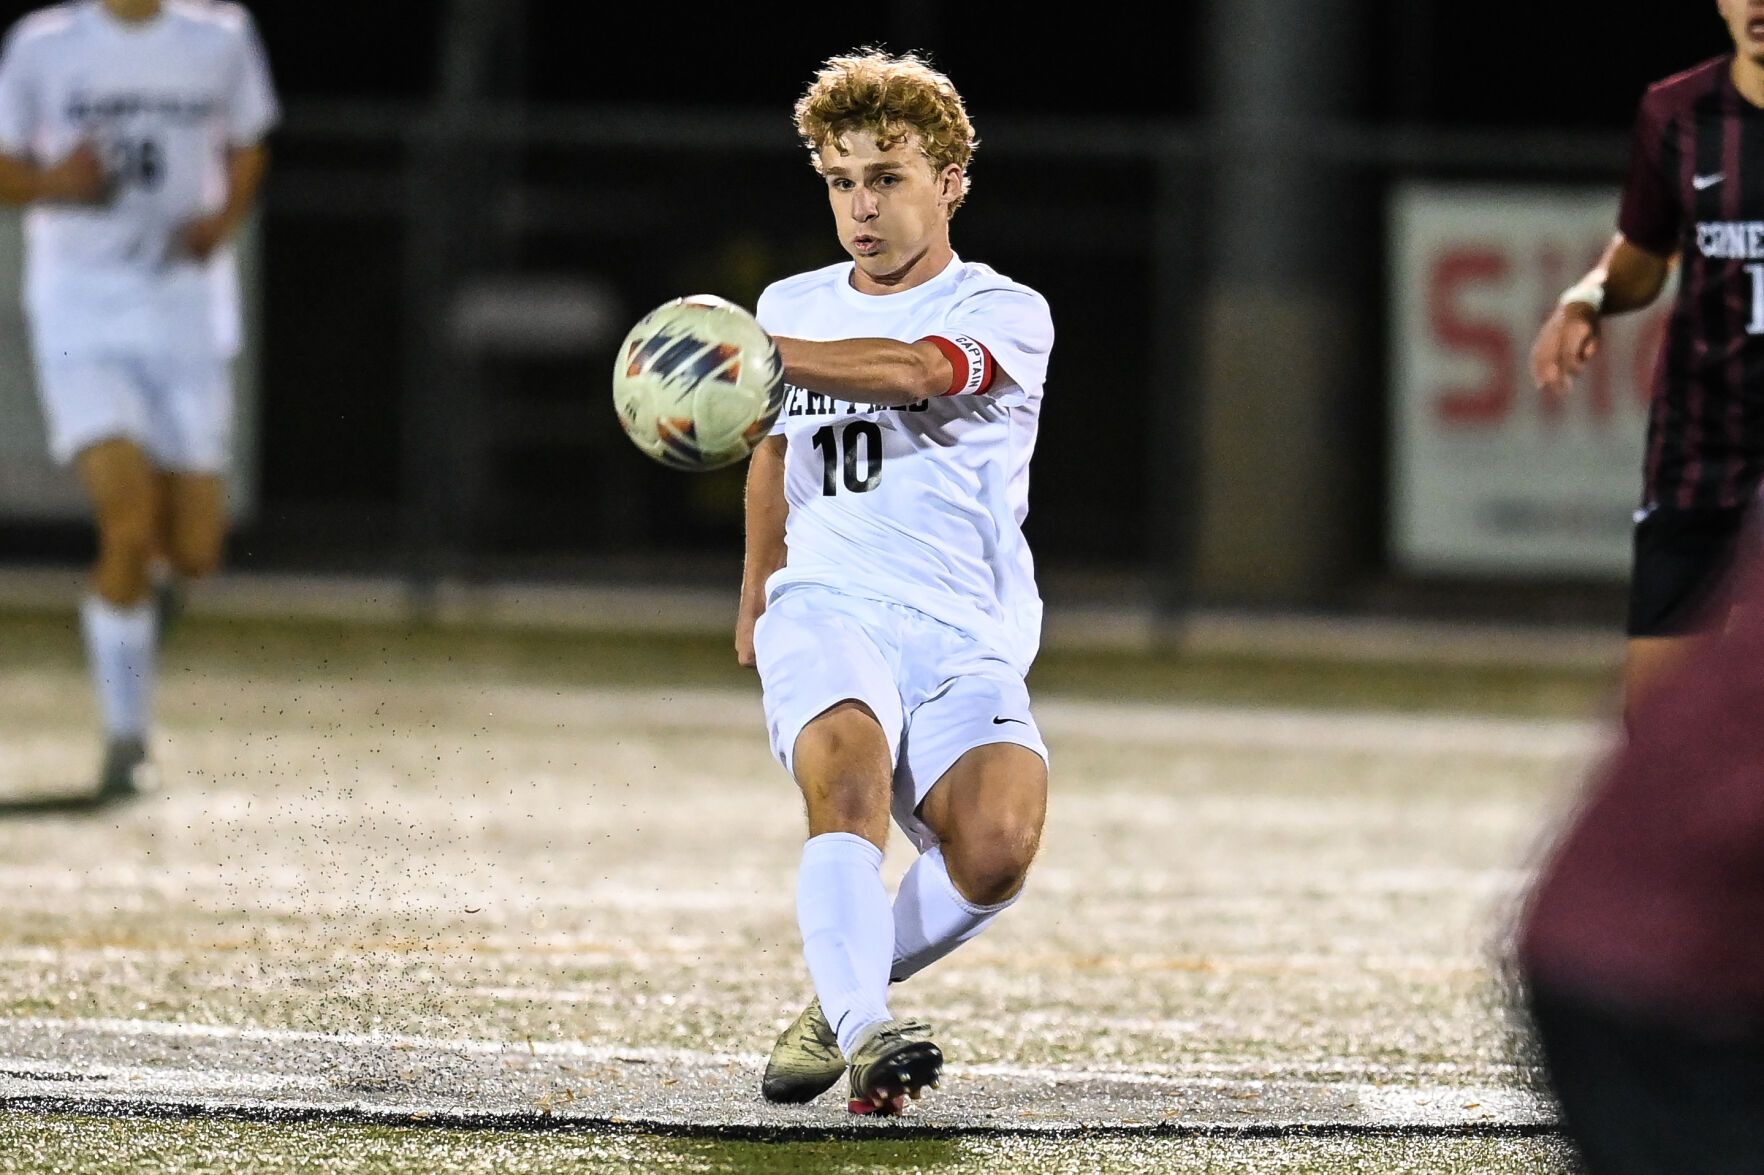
867,371
1626,278
245,168
78,178
766,511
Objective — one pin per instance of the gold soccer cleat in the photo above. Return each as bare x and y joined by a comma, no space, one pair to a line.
806,1061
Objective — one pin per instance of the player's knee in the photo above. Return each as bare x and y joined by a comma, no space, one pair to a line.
843,768
989,863
840,734
846,802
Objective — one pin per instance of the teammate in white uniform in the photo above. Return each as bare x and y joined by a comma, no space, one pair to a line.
132,130
889,599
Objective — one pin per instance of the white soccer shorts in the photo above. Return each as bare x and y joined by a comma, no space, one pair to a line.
937,692
179,409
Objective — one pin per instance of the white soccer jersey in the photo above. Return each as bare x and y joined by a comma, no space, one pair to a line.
921,505
161,102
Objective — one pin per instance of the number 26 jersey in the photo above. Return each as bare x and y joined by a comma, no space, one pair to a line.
161,101
920,505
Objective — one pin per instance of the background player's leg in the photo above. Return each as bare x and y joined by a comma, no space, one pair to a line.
188,539
843,765
117,618
196,513
161,580
987,811
124,491
192,431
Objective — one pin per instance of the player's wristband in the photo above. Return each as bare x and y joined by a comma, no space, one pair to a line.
971,363
1588,292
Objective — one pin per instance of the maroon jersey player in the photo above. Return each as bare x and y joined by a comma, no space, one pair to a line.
1694,195
1642,944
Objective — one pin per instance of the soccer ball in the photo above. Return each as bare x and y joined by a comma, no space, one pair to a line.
697,383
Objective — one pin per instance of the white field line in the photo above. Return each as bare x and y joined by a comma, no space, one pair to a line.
166,1030
171,1081
1405,1105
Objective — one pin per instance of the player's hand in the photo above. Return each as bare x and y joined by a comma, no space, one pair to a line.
1568,340
744,641
202,236
78,179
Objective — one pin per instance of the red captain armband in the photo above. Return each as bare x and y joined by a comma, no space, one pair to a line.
973,364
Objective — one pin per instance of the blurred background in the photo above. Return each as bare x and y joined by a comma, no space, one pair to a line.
1295,254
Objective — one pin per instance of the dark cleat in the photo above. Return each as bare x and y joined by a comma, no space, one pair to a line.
892,1064
168,604
126,772
805,1062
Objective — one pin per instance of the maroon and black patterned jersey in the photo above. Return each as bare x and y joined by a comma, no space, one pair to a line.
1696,188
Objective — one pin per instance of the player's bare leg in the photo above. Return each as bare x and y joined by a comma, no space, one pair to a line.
187,538
192,534
843,769
846,774
162,581
196,514
117,618
987,812
124,491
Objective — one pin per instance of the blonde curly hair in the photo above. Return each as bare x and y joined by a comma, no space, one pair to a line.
889,96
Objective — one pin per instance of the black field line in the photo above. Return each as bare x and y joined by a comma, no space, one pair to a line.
537,1122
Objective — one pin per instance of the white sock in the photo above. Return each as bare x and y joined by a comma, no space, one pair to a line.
931,919
847,931
120,647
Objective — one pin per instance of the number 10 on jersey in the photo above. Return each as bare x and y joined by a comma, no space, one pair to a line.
839,449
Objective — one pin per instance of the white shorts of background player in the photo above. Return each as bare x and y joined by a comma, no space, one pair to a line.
177,408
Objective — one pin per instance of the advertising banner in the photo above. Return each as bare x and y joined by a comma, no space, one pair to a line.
1488,476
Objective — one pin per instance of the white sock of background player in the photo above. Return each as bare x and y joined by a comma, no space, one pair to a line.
847,931
931,918
120,647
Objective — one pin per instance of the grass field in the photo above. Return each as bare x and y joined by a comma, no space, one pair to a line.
207,1147
536,891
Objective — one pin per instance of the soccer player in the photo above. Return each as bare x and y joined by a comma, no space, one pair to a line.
889,599
1695,192
133,131
1641,944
